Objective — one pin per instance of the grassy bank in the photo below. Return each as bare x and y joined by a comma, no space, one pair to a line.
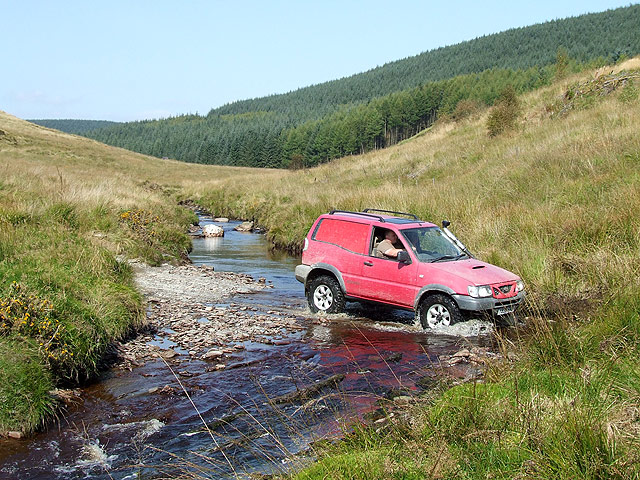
555,201
68,208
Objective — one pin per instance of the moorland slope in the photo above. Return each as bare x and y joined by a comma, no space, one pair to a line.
555,199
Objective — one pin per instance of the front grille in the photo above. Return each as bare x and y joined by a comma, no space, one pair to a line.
500,291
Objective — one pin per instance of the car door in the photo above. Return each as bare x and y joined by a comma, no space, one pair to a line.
388,280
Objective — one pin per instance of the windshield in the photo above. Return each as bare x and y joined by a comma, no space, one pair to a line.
430,244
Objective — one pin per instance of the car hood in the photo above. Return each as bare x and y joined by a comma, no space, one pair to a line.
475,271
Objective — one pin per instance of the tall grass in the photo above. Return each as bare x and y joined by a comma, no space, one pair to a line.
556,201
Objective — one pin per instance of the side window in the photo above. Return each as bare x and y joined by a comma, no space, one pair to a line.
376,238
379,235
352,236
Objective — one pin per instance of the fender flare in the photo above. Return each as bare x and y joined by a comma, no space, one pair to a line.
330,268
433,287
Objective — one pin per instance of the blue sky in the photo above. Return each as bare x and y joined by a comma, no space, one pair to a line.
132,60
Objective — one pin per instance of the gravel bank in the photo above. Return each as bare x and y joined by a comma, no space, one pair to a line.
187,320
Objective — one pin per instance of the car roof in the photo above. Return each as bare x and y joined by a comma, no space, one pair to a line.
365,217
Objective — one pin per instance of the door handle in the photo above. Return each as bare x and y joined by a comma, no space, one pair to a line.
369,264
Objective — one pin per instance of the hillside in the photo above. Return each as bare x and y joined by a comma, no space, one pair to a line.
381,107
555,201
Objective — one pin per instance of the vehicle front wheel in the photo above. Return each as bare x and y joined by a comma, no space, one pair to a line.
438,310
325,295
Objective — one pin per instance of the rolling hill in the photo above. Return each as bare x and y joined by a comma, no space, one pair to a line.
387,104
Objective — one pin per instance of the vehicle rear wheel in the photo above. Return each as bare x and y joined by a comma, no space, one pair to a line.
438,310
325,295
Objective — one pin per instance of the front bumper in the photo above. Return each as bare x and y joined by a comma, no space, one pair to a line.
302,272
496,306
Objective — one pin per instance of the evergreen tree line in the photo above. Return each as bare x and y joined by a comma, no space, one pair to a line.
383,106
609,35
269,139
78,127
380,123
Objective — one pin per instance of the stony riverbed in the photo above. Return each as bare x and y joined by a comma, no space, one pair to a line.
186,315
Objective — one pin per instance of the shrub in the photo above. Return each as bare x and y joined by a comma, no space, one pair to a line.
504,115
465,109
32,317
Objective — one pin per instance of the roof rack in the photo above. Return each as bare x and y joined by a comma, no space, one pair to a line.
364,214
366,210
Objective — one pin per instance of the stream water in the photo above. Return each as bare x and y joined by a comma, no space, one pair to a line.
141,423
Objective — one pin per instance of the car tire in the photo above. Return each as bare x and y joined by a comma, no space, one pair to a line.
438,310
325,295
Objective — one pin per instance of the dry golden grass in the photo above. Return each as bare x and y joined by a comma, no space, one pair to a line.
62,201
554,201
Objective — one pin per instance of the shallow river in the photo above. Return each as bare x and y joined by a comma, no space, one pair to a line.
145,423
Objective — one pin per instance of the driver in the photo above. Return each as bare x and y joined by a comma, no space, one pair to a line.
389,247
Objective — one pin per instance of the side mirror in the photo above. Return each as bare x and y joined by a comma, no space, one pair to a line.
403,256
445,223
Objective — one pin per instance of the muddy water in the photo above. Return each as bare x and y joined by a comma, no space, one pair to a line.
185,417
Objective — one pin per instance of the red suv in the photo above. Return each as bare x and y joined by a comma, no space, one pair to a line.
351,256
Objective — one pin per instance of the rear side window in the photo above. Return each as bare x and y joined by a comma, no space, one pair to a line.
350,235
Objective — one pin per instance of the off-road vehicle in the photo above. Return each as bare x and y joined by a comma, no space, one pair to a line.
433,274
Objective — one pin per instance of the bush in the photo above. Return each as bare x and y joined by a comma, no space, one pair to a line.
505,113
465,109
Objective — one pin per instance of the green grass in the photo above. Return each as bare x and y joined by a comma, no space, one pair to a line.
554,200
68,209
24,386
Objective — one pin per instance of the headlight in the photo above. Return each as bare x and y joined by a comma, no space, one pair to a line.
519,286
479,292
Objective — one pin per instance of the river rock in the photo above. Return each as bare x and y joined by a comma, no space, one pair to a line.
464,353
394,357
170,353
244,227
221,220
213,231
16,435
212,354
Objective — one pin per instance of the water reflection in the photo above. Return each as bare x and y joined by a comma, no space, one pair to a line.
210,245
